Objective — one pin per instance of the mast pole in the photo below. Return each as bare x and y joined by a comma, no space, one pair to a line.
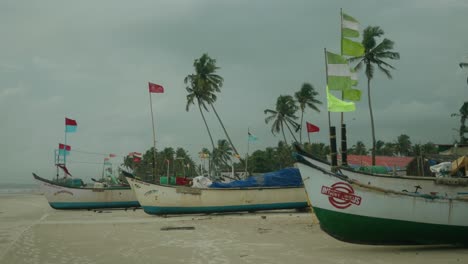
247,154
341,53
154,138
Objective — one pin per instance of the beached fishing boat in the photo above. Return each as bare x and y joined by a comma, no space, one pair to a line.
61,196
165,199
356,212
449,186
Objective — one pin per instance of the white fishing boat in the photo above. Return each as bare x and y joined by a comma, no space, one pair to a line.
165,199
86,197
357,212
450,186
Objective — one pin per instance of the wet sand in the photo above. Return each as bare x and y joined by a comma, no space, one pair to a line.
32,232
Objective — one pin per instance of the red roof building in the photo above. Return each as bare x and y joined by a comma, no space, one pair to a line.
387,161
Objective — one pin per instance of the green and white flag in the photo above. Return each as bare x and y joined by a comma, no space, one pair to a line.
337,105
352,48
339,75
349,26
352,95
354,77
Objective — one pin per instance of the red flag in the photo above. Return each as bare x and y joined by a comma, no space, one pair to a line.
62,166
112,155
70,122
136,159
155,88
65,147
312,128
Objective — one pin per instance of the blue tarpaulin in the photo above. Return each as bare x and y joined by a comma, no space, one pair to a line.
289,177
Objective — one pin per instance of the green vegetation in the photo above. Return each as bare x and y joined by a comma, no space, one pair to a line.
374,55
260,161
283,115
306,97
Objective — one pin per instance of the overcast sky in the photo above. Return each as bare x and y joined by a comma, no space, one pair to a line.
91,61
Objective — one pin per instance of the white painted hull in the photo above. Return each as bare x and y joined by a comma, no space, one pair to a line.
410,184
163,199
356,212
60,197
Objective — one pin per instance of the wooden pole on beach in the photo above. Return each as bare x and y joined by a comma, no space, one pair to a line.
331,130
247,154
154,137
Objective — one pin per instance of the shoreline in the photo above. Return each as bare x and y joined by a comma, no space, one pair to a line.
32,232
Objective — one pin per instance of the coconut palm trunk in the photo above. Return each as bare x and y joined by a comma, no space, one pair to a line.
290,131
300,131
206,124
225,132
284,135
372,122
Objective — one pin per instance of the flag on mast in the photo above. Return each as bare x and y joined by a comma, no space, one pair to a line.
338,72
64,168
352,94
349,26
64,149
352,48
155,88
337,105
70,125
312,128
350,29
252,138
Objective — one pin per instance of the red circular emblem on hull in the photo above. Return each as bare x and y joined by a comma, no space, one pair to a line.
341,195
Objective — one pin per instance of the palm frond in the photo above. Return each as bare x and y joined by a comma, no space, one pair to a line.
358,66
383,46
386,71
380,62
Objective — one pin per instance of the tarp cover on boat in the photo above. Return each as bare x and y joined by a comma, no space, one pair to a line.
289,177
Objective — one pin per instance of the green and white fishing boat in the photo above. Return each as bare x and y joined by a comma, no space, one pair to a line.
357,212
159,199
75,196
447,186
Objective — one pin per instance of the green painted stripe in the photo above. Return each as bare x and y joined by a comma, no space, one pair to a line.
220,209
381,231
94,205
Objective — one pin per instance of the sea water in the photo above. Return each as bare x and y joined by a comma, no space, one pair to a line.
19,188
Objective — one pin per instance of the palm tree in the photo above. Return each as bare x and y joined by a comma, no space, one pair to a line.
208,83
403,145
360,148
222,154
374,55
306,97
379,144
198,94
283,115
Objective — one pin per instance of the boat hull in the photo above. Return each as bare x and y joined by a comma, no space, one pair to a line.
412,184
354,212
161,199
62,197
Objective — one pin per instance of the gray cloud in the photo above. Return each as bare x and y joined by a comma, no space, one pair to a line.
91,61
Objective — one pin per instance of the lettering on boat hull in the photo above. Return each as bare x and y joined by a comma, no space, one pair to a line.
63,191
341,195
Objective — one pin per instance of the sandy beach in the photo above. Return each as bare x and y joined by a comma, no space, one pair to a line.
32,232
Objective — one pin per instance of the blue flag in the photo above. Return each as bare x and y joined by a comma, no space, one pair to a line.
252,138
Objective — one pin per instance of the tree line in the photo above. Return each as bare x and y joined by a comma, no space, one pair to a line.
204,85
